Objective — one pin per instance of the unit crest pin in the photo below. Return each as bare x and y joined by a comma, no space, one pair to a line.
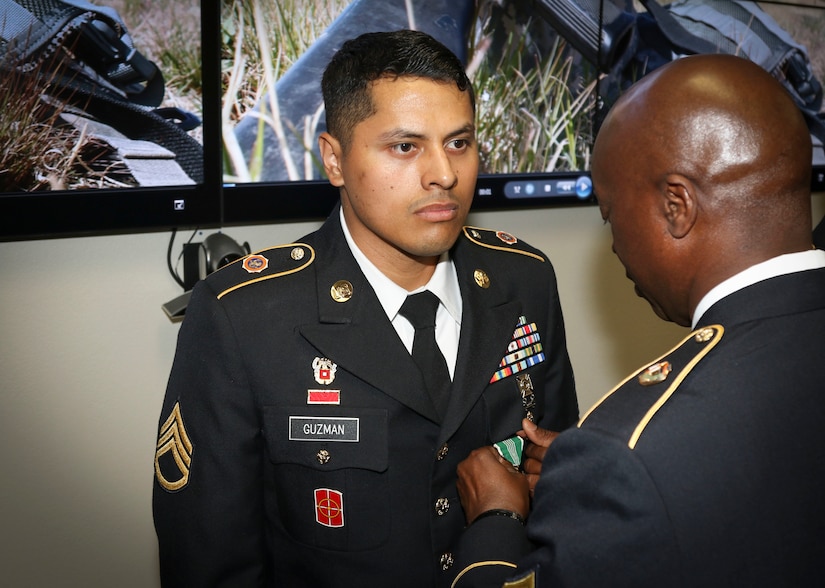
506,237
655,373
255,264
324,370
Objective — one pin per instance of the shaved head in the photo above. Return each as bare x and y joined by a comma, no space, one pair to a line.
703,169
720,118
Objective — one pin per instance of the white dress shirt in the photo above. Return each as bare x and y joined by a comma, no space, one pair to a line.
443,283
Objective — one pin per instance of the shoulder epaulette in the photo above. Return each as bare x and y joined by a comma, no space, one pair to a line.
274,262
629,407
501,241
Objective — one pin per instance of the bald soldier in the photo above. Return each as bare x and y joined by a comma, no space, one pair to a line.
707,466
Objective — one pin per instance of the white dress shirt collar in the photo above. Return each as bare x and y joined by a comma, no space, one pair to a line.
443,283
777,266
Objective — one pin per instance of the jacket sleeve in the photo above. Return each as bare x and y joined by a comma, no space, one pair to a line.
598,514
598,519
488,552
207,498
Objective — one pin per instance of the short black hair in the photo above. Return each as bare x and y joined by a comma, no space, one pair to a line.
373,56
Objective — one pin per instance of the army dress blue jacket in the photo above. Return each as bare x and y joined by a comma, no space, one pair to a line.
297,446
704,468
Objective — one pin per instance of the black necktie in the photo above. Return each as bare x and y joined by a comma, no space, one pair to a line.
420,310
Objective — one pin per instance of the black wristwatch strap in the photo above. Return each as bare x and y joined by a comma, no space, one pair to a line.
500,512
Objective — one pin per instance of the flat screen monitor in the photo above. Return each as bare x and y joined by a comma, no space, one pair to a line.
784,37
545,72
135,115
108,119
535,96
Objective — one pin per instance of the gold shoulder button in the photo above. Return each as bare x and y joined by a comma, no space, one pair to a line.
501,241
274,262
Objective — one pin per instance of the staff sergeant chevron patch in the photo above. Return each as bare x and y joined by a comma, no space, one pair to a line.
173,456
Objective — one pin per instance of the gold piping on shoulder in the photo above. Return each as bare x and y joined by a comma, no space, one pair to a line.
468,232
292,246
700,336
711,343
173,438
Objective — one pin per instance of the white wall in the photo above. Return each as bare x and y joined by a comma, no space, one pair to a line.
85,351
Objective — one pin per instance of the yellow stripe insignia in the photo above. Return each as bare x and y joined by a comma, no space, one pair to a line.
173,456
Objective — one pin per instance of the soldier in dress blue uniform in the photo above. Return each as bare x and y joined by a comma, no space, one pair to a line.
707,466
299,444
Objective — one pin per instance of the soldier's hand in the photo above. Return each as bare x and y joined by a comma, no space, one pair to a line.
487,481
538,441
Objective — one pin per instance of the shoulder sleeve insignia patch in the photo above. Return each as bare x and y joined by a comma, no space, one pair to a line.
499,240
629,408
173,456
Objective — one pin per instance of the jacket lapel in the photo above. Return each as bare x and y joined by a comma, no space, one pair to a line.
488,321
345,330
355,333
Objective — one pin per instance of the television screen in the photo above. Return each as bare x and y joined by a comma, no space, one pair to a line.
786,38
545,73
106,117
804,22
536,95
118,117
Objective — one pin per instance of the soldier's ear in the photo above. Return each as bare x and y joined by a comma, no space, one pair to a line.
330,149
681,207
